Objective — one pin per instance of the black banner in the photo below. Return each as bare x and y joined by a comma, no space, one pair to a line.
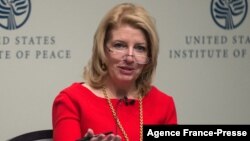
161,132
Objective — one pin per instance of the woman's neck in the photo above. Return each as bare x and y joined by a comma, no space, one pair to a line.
119,91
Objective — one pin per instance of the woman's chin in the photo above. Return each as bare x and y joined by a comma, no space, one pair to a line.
126,79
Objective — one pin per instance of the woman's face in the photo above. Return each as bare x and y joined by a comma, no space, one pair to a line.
126,52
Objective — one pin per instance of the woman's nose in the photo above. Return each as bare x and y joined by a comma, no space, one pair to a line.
130,51
129,58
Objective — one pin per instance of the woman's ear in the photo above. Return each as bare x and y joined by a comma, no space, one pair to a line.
104,66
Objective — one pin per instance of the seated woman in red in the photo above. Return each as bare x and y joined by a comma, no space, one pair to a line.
117,97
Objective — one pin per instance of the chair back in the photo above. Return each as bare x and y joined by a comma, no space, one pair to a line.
41,135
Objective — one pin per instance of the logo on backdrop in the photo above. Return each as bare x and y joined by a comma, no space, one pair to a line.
14,13
229,14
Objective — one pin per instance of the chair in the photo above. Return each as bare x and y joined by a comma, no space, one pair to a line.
41,135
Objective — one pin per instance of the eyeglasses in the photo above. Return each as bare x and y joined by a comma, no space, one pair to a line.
139,53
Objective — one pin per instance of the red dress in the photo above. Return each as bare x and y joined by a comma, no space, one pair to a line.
76,109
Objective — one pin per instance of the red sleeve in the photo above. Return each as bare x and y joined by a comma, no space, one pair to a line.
65,118
171,117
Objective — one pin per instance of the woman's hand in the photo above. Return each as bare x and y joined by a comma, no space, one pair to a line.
90,136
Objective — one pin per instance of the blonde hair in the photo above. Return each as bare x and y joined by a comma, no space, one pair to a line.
95,73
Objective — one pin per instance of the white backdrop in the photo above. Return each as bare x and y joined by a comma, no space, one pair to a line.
207,90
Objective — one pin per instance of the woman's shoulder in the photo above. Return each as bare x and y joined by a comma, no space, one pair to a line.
76,86
72,91
156,99
156,93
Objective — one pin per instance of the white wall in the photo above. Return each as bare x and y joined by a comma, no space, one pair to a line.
206,90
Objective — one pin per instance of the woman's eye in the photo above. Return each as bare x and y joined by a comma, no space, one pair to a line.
118,45
141,48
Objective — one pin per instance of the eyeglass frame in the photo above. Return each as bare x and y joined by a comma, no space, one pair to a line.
124,57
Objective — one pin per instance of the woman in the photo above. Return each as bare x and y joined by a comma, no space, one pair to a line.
117,97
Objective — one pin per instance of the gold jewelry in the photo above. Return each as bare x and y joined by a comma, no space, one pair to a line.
117,119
